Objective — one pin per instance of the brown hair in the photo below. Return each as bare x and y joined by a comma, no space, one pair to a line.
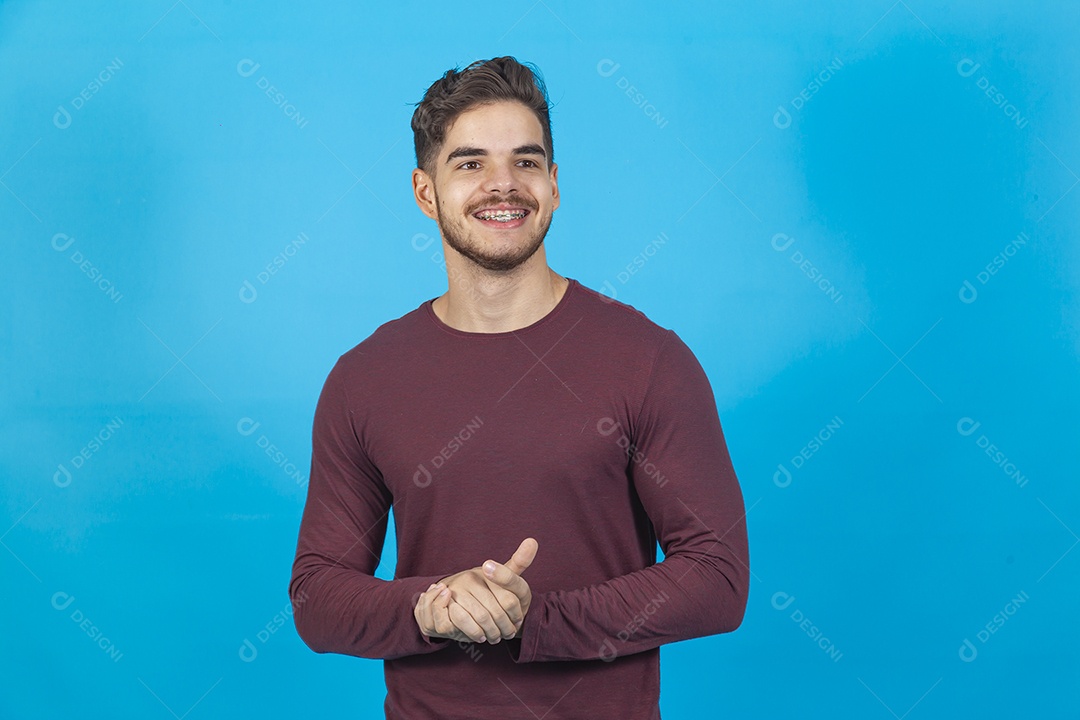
482,82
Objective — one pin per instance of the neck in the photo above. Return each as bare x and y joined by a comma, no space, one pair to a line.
484,302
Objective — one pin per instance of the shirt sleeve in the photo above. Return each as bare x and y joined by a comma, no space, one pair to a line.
339,606
682,472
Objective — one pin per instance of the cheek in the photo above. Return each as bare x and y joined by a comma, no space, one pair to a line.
543,192
454,199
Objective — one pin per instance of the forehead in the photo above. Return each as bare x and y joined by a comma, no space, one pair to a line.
494,126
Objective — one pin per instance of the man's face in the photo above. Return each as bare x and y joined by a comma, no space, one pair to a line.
493,159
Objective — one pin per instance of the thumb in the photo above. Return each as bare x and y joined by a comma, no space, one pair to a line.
523,556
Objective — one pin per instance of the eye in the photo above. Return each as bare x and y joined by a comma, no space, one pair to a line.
470,162
531,163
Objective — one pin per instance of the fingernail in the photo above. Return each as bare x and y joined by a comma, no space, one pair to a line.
444,593
490,567
430,586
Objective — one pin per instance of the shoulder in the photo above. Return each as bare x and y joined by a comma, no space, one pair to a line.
659,355
390,343
621,322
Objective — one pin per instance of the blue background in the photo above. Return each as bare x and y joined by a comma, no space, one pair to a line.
148,179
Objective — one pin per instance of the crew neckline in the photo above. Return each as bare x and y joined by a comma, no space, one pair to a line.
554,312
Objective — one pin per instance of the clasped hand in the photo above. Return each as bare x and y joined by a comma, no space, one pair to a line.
486,603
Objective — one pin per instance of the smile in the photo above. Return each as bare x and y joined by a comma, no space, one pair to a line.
502,216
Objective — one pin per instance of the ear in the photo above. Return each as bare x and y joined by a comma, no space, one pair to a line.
424,193
554,186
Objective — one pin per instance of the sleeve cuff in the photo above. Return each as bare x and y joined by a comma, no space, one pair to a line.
528,644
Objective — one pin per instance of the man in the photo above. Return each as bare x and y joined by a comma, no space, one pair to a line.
519,417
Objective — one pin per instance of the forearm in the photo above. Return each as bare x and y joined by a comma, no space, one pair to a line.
338,610
688,595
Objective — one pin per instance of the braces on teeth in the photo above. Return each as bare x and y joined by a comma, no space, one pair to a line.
502,215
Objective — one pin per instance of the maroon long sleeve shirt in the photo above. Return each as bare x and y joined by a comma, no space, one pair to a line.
594,431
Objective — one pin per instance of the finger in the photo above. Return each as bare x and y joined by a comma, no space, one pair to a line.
463,620
503,609
504,622
440,615
503,576
441,607
523,556
486,612
423,612
511,603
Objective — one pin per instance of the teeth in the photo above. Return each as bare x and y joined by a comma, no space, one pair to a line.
502,215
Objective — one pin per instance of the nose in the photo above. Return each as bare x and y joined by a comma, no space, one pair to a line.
500,178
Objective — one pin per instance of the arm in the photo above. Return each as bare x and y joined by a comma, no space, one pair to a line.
338,604
683,475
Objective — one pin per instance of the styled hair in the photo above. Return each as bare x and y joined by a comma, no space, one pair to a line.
481,83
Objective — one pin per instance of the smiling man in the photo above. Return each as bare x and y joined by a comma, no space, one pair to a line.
519,417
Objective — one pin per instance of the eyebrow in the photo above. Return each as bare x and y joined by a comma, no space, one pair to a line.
530,149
